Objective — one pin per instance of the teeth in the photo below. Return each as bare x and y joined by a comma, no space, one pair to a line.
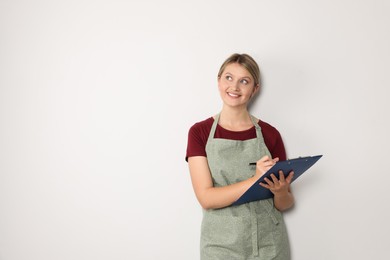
233,95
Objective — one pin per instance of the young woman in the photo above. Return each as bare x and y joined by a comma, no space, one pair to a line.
219,151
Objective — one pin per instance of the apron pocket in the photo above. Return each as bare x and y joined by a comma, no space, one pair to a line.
272,236
225,236
273,213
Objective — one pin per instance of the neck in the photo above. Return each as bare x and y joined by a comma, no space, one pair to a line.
235,118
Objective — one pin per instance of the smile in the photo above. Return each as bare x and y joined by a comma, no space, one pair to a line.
233,95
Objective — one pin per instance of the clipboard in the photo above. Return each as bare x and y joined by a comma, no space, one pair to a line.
298,165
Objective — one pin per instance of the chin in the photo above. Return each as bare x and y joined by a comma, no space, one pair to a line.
235,103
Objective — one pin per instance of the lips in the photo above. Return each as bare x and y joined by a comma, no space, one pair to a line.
233,95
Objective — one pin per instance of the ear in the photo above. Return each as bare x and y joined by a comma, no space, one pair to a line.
219,82
256,89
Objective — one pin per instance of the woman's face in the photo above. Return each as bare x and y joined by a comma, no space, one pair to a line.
236,85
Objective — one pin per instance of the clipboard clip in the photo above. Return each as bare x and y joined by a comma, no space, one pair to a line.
298,158
289,161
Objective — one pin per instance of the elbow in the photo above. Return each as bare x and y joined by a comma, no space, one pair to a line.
208,199
205,200
206,205
206,208
284,206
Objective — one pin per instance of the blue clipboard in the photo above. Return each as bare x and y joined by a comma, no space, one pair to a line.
298,165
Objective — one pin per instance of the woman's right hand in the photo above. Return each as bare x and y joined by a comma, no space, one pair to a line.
264,164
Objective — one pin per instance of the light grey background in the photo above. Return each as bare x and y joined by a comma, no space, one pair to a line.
96,99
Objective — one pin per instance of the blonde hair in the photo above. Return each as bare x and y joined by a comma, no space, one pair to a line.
247,62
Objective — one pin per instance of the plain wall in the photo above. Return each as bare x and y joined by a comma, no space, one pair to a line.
96,99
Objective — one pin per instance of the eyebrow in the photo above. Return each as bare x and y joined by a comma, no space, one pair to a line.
245,77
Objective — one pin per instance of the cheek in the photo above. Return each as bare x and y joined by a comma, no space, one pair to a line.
220,86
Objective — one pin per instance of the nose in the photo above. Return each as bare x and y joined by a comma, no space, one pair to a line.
234,84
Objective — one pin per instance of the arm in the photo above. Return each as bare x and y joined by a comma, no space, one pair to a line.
211,197
283,198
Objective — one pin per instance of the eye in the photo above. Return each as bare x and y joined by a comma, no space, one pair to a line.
244,81
229,78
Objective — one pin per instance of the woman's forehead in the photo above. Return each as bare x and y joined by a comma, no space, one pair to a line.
237,70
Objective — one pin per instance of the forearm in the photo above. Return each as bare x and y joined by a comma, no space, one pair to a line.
220,197
283,201
211,197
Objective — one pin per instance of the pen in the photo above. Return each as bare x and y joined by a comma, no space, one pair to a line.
252,163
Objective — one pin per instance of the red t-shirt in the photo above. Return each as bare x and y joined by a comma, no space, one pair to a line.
199,133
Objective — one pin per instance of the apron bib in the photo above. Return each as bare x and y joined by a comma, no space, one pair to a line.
253,230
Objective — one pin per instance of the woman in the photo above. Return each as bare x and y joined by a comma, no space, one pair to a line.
219,151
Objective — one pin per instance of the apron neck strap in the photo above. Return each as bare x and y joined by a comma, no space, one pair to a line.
257,126
214,127
253,119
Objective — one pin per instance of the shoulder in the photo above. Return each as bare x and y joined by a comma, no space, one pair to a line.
202,127
265,126
268,129
199,132
273,140
197,138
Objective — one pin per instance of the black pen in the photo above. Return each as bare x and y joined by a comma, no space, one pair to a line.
252,163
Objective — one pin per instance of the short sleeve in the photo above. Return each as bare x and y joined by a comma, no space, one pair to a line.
273,141
278,149
196,144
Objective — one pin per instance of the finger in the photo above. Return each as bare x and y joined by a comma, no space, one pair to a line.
269,182
262,161
281,176
290,177
268,163
274,179
264,158
265,185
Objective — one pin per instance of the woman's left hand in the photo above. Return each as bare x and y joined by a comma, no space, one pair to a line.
278,186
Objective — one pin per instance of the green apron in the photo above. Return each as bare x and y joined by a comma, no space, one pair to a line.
254,230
